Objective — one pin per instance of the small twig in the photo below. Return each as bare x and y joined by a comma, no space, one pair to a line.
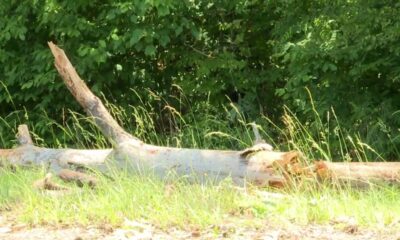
200,52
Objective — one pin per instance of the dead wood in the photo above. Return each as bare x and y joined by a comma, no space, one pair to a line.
47,184
90,103
23,136
358,172
258,164
79,178
129,153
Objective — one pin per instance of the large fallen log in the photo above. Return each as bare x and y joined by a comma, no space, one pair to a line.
129,153
258,164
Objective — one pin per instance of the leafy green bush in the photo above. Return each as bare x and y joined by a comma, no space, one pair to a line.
347,54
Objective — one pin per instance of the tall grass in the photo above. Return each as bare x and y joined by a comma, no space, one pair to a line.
175,201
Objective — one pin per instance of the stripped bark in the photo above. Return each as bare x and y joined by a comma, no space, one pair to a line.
358,173
130,153
258,164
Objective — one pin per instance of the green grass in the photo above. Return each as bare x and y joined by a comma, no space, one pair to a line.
171,202
180,203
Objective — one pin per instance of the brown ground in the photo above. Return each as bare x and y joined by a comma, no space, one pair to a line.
141,230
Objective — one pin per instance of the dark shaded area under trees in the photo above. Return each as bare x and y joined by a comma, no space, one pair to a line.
260,54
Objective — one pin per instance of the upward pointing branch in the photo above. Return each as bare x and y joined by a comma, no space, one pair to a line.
257,136
92,104
23,136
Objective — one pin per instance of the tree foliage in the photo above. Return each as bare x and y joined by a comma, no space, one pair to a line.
259,54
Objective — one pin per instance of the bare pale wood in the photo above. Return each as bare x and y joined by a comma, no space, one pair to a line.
23,136
90,103
258,164
129,151
359,171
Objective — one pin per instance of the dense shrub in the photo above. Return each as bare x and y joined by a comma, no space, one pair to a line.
347,53
259,54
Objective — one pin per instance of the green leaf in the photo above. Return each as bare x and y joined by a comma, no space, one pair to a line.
178,30
102,43
164,39
280,92
137,34
115,36
150,50
162,10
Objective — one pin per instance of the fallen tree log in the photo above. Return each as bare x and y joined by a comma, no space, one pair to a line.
213,163
258,164
128,152
358,173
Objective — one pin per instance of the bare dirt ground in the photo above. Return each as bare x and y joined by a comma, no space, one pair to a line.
142,230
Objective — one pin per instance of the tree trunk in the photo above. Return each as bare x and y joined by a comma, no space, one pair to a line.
258,164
